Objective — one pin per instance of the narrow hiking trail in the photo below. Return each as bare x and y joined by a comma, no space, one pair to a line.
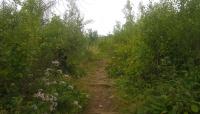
102,99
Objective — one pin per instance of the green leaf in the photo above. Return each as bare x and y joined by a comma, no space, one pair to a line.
185,113
194,108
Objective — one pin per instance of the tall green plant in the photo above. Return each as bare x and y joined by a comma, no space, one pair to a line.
156,58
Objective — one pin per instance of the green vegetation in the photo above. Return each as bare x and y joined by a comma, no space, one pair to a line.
39,56
156,58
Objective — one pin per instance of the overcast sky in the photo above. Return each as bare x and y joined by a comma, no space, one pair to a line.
104,13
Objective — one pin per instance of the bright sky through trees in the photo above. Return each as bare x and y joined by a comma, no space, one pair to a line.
103,13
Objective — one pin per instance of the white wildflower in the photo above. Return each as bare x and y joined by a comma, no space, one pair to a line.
55,98
56,63
48,98
39,94
55,104
48,71
59,71
51,99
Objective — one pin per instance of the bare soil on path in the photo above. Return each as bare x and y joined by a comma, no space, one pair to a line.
102,99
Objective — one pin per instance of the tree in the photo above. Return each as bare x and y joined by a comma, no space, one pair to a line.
128,12
92,35
117,27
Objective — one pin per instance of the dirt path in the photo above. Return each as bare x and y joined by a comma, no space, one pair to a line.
101,90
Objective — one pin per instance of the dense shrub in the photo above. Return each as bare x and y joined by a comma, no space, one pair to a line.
37,54
157,58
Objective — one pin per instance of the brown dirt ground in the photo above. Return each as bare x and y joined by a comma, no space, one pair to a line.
102,92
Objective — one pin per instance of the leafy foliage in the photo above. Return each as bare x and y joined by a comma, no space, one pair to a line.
156,58
30,46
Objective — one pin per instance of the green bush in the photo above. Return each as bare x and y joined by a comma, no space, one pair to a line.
30,46
157,59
